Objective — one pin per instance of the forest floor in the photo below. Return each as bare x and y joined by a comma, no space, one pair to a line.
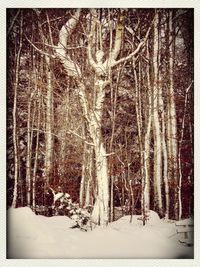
33,236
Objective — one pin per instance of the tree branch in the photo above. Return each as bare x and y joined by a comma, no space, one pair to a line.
79,136
70,66
137,50
98,67
39,50
118,38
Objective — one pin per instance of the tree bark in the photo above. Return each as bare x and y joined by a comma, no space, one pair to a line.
147,139
49,121
14,116
63,125
156,121
172,124
36,151
28,156
87,179
93,117
179,153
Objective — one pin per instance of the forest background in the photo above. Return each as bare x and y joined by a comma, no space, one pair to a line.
100,106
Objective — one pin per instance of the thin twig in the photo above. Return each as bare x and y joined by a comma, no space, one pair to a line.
39,50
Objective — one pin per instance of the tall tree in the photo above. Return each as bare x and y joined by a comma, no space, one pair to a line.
172,119
156,120
49,123
14,113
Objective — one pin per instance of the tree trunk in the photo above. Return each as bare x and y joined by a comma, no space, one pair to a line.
49,141
14,116
164,154
36,152
147,141
63,126
142,143
172,124
87,179
28,157
146,180
93,117
156,121
179,152
100,211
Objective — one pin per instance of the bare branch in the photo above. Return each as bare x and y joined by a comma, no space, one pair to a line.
109,154
60,138
137,50
79,136
39,50
67,47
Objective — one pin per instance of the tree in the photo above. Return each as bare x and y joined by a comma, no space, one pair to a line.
156,120
14,113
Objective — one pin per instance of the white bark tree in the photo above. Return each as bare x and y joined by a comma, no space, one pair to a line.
87,181
49,124
147,141
93,116
14,116
172,121
156,120
28,153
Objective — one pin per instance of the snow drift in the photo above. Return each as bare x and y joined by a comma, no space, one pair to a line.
32,236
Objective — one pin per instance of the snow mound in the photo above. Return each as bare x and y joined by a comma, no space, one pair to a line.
27,232
25,223
136,220
153,218
36,237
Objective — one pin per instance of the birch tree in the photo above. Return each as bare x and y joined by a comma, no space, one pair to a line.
147,141
172,118
28,153
49,123
156,121
102,68
14,115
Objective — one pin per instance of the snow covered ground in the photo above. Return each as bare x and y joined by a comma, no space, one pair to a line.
32,236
